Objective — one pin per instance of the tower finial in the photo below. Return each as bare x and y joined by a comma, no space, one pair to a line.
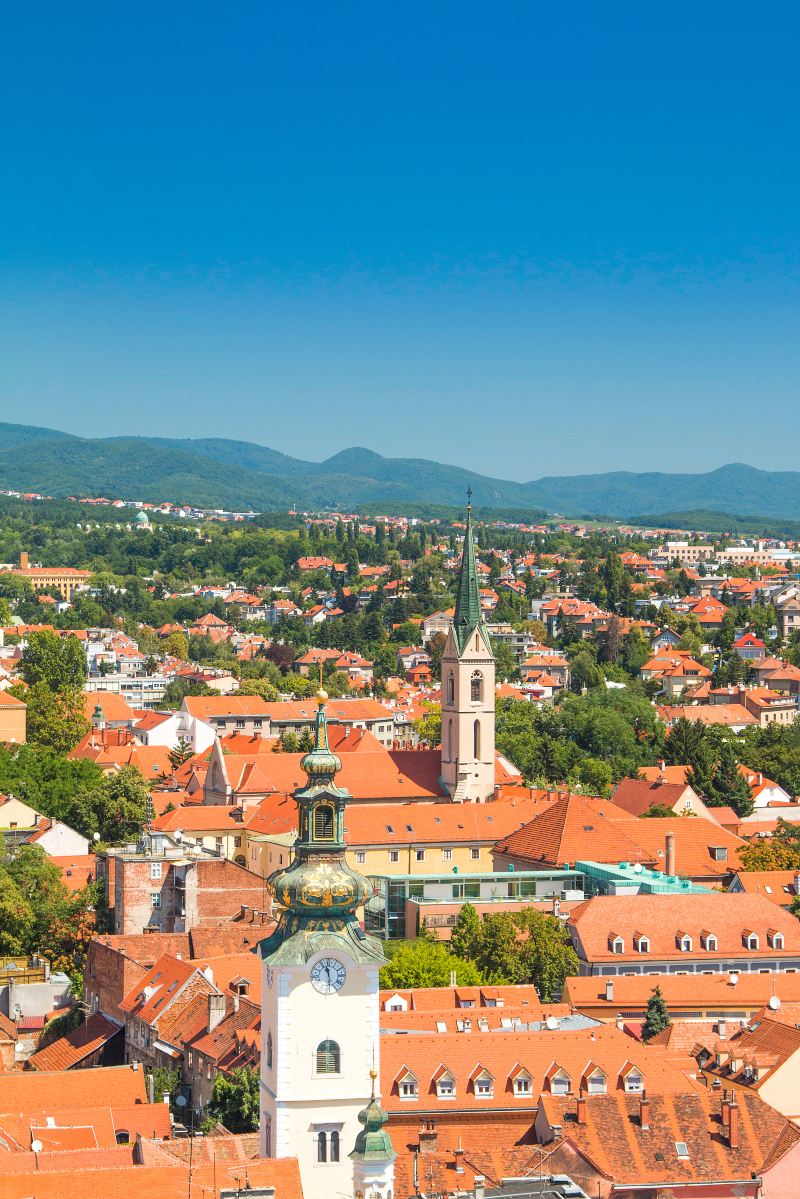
469,499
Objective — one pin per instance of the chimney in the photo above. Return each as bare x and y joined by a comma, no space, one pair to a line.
669,854
427,1137
797,882
733,1123
722,1029
165,1098
23,560
480,1186
644,1113
458,1154
216,1010
453,979
725,1110
580,1114
556,906
610,991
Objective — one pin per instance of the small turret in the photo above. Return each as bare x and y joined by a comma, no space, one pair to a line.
373,1156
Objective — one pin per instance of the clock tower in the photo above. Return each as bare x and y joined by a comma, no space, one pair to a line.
319,1016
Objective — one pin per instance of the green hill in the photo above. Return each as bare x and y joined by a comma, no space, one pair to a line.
219,472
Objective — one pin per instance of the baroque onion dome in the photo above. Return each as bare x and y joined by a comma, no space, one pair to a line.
373,1143
319,893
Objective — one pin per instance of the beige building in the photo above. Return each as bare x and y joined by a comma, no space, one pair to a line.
13,719
63,581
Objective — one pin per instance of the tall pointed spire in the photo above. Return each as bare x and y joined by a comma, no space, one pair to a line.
468,614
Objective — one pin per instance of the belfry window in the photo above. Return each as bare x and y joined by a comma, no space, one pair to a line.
334,1146
476,737
329,1058
323,822
322,1146
451,688
476,687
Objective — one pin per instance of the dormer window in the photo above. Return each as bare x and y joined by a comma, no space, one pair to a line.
634,1082
616,943
709,942
446,1086
751,940
560,1083
522,1083
684,943
482,1083
408,1087
641,943
775,939
596,1083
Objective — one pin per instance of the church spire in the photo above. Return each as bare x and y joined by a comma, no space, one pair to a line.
468,614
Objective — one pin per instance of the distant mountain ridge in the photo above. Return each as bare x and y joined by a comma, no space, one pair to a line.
224,473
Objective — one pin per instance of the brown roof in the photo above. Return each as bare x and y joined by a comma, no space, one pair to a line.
36,1090
572,829
71,1049
661,917
612,1136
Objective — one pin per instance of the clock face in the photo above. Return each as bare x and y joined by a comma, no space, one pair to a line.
328,975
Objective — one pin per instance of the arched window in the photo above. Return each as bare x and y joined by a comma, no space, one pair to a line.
322,1146
476,737
329,1058
451,688
476,687
323,822
269,1050
334,1146
122,1136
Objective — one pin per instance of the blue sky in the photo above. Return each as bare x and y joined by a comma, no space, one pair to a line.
529,238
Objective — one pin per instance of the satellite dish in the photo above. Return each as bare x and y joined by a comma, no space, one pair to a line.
733,979
180,1100
36,1146
637,868
774,1003
552,1023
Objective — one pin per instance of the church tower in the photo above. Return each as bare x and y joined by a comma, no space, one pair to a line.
320,1005
468,690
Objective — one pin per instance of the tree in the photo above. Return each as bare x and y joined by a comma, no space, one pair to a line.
730,785
306,742
427,963
466,935
656,1017
125,806
781,851
57,661
56,719
180,753
177,645
505,663
235,1100
288,742
584,673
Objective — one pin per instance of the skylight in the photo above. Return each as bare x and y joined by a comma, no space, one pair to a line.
682,1150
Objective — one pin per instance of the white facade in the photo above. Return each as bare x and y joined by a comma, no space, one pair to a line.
468,699
307,1111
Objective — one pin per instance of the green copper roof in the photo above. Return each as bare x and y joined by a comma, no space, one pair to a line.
318,892
468,615
373,1143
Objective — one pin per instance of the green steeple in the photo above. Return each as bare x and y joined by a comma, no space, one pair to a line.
318,892
373,1143
468,615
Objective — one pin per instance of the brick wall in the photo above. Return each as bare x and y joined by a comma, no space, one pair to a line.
216,889
115,964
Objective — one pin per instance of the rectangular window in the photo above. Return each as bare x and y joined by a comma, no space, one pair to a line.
475,854
237,841
257,722
218,844
155,870
361,857
155,899
394,855
240,724
420,855
447,855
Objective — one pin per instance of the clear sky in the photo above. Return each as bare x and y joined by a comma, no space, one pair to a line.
528,238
